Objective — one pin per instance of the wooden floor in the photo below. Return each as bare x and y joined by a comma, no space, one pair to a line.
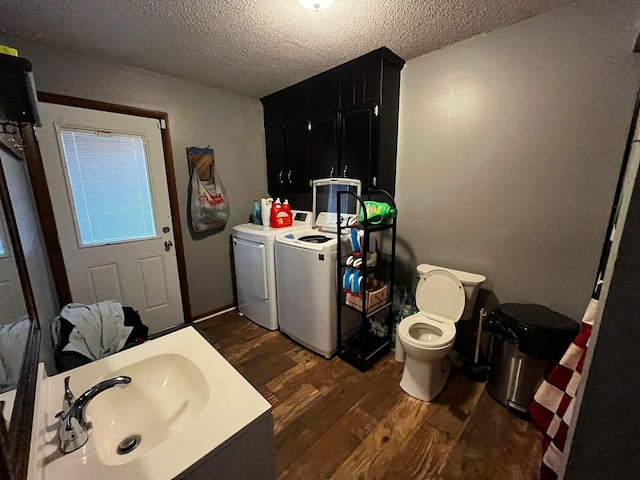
331,421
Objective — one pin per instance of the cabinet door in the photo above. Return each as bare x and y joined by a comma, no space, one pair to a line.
276,165
372,78
297,174
357,136
294,104
323,94
324,146
348,85
273,107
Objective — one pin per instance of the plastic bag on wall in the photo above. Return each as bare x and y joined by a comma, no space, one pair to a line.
209,201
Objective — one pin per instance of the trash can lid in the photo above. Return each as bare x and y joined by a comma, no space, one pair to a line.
537,317
538,330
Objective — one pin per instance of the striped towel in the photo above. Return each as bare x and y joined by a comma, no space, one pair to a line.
553,403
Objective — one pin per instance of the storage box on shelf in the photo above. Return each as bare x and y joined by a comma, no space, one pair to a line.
375,296
364,319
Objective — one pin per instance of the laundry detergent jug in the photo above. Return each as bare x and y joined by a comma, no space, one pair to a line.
281,214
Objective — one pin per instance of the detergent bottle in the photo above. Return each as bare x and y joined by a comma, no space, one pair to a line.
256,215
276,207
377,212
265,210
287,218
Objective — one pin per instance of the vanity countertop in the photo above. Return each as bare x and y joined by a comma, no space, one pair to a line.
179,380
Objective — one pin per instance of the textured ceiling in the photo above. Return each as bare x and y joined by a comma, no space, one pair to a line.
255,47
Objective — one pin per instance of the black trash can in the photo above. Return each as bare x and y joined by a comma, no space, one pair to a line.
528,341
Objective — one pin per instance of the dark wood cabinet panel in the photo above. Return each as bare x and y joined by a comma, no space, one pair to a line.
288,162
324,146
372,78
348,87
297,173
294,104
276,165
273,111
357,140
330,93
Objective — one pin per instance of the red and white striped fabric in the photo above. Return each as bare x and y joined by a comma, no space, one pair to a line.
554,401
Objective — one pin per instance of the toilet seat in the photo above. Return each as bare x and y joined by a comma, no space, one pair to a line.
441,299
422,331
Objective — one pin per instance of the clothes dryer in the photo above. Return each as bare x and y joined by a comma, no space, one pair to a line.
254,261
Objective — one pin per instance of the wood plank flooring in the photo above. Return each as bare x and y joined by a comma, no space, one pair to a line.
331,421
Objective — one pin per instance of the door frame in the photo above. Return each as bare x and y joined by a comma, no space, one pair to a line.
45,208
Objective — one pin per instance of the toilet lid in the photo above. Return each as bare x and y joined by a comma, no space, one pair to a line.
440,293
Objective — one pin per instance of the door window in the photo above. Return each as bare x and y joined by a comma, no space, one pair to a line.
108,178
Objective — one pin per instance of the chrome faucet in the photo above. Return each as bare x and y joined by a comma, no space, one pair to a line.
73,424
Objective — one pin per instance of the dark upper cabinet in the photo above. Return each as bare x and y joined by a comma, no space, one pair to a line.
343,143
288,162
276,164
357,142
294,104
373,70
324,151
286,125
323,95
273,107
343,122
297,174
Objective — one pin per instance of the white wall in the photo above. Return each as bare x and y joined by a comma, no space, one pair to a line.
510,146
198,116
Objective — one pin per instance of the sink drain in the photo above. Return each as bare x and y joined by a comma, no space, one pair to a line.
129,444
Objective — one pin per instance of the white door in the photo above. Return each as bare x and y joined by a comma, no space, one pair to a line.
108,186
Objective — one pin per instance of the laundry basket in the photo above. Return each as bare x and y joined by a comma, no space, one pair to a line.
528,341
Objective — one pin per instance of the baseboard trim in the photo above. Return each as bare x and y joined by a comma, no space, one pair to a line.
214,313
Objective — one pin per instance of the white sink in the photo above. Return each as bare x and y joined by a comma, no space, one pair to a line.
166,394
184,401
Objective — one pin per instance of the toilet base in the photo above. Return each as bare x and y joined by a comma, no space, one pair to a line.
425,380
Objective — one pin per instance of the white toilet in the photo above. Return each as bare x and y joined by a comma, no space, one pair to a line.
443,297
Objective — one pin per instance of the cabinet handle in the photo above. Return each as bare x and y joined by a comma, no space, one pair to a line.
289,176
280,177
344,172
331,173
375,181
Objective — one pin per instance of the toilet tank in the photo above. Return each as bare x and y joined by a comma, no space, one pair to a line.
470,281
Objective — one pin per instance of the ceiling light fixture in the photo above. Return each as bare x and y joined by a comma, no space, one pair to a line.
316,5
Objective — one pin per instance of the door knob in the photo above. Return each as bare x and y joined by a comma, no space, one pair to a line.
167,245
289,176
280,177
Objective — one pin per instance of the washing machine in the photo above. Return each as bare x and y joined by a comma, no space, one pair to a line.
254,261
306,266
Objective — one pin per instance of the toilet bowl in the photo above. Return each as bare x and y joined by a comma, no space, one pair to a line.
442,298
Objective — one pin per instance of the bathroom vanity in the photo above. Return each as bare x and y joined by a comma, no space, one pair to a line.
195,415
